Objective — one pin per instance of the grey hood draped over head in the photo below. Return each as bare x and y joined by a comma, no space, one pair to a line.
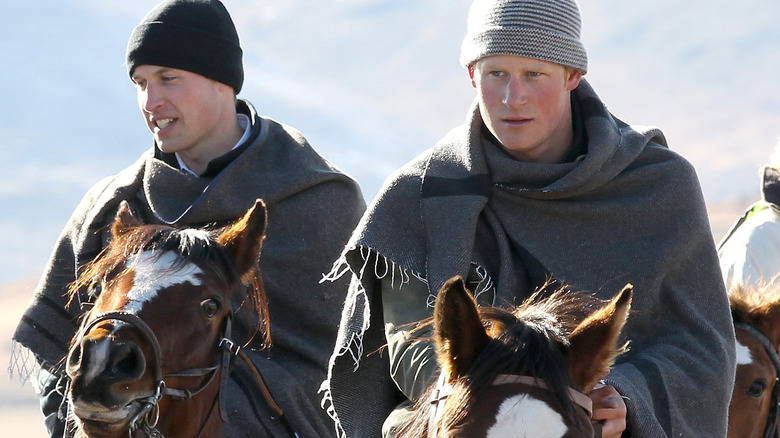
628,211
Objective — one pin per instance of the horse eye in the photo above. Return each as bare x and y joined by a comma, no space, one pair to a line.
757,388
95,289
210,307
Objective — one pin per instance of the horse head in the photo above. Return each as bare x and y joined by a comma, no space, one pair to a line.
522,371
158,334
754,403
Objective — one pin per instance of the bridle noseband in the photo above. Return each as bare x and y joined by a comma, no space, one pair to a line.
770,431
146,418
443,390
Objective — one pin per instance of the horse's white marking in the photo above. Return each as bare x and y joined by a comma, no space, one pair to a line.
98,359
523,416
154,273
151,275
743,355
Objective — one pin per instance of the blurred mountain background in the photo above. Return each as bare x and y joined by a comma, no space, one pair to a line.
371,83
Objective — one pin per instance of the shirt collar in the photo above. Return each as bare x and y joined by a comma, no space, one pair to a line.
243,122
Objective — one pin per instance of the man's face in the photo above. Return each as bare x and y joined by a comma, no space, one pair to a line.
526,105
185,111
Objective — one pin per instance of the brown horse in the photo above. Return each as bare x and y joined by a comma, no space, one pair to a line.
754,402
518,372
151,356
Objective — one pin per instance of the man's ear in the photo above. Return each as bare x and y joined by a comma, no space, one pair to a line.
573,78
471,75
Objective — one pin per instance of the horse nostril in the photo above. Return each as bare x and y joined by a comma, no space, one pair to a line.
127,362
74,360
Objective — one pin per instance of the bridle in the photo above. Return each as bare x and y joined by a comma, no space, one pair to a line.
148,415
444,390
770,431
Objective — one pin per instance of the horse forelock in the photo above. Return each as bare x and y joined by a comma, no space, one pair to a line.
190,247
751,305
113,260
561,308
532,336
531,343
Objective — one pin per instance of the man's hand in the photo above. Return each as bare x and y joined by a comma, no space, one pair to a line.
610,409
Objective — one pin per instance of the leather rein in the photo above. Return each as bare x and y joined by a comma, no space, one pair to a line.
444,390
147,417
770,431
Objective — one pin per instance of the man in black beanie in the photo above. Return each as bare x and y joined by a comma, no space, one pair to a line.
213,155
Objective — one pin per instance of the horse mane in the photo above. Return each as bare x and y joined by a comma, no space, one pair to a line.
528,339
190,246
749,304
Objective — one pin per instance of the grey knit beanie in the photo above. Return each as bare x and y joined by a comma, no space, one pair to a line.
541,29
193,35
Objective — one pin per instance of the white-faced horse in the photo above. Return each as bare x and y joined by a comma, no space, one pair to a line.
518,372
152,356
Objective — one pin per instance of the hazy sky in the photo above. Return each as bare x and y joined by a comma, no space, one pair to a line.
371,83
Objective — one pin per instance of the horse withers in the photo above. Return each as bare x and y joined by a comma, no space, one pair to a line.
152,352
753,412
522,371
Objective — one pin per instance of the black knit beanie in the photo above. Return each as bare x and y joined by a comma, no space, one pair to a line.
192,35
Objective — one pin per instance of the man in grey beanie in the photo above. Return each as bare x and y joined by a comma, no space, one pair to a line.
213,155
541,182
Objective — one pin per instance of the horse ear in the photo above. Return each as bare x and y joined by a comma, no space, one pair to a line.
244,238
459,334
124,220
594,342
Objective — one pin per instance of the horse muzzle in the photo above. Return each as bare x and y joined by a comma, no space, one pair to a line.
108,377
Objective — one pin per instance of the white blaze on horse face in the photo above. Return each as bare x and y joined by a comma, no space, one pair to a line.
523,416
743,355
98,359
153,273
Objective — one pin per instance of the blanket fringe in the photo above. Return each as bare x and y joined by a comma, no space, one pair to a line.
340,267
327,405
23,367
350,337
484,285
383,267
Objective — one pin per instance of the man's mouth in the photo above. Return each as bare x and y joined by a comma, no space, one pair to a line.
516,121
162,123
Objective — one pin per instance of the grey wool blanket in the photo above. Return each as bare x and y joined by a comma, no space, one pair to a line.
629,210
312,209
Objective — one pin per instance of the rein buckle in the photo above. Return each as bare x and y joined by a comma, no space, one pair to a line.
230,346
